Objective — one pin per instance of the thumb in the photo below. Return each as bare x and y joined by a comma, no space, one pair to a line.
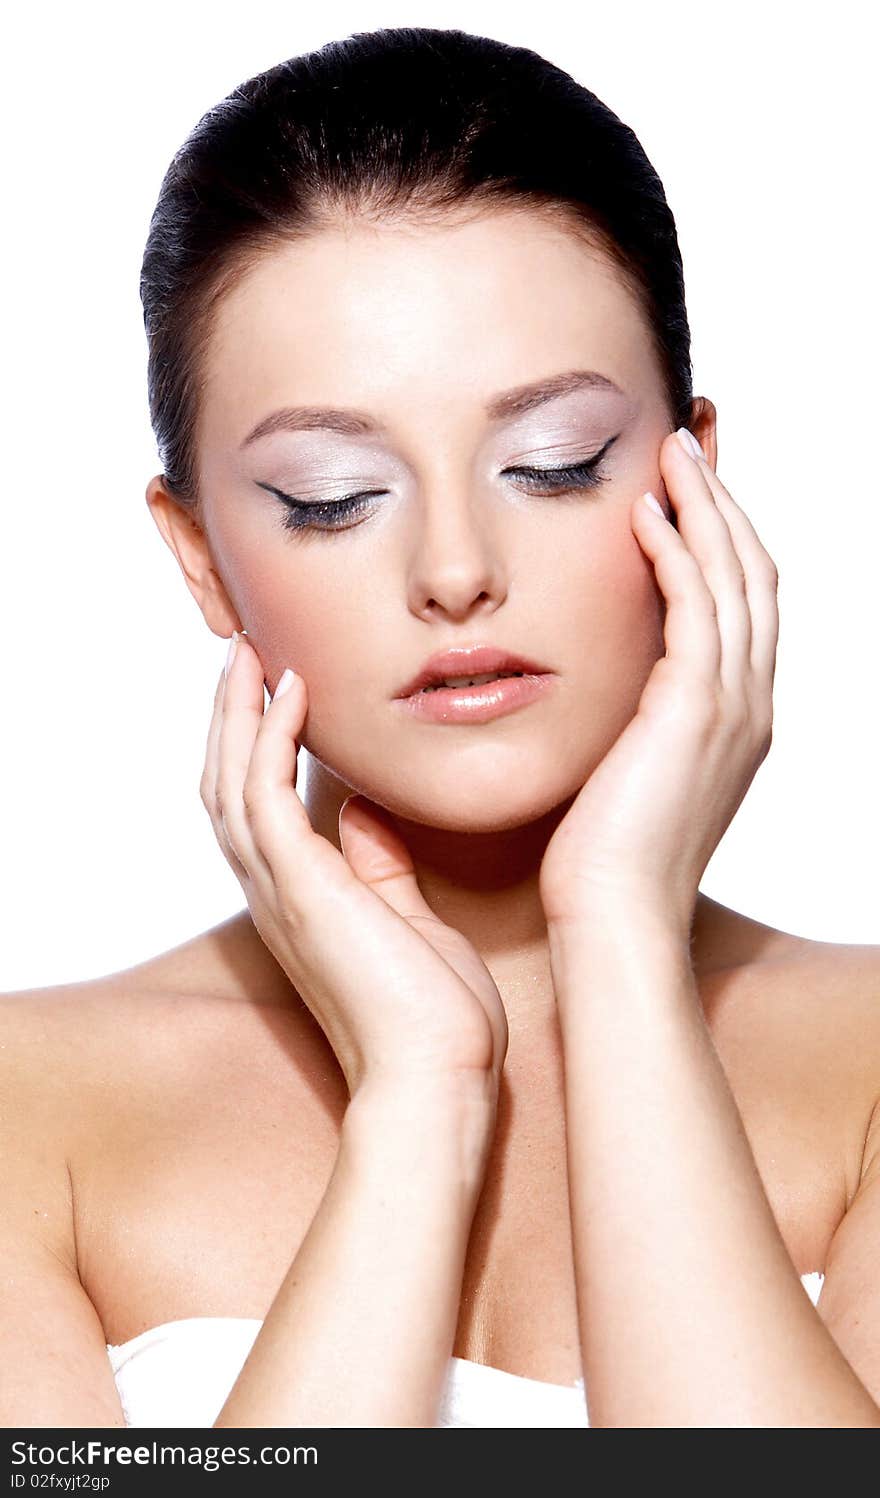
375,851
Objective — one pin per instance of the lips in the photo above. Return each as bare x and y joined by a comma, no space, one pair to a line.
467,661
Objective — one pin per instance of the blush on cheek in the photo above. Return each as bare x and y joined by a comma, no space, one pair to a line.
635,618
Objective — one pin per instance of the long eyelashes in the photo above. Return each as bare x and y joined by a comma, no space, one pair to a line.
324,514
330,515
578,476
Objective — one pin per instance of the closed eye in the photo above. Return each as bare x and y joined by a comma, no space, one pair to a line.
333,514
583,475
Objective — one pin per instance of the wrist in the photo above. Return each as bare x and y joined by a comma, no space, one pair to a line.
446,1124
592,956
619,922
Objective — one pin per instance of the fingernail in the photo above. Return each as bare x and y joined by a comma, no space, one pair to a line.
230,654
286,680
654,503
689,443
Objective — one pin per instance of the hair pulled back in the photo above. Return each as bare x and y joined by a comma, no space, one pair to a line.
401,123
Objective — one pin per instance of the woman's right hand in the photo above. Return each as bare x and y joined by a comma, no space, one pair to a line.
401,996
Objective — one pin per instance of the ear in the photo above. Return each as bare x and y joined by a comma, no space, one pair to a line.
703,425
182,533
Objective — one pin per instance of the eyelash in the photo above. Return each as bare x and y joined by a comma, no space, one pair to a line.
302,515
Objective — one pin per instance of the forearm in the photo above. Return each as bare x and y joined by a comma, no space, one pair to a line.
691,1312
362,1328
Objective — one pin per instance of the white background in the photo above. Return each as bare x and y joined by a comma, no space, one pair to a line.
761,123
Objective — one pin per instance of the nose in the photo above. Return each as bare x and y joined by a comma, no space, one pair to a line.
456,566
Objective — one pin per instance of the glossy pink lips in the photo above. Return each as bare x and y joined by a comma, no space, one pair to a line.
478,704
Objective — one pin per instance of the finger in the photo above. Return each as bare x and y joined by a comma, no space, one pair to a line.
707,536
375,851
278,823
761,577
208,782
241,714
209,770
693,642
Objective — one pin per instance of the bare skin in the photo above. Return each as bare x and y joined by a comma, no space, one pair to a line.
195,1098
198,1064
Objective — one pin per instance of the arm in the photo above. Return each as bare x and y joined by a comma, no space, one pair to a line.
53,1351
362,1328
691,1312
363,1325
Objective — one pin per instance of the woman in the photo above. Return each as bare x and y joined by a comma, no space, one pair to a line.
481,1112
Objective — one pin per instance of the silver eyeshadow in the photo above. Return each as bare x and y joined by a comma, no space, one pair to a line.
309,461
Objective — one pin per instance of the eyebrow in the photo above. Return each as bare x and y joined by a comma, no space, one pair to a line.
502,407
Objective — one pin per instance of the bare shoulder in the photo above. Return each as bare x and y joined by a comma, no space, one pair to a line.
743,963
212,1016
822,988
796,1022
52,1041
813,998
156,1089
36,1188
68,1038
830,991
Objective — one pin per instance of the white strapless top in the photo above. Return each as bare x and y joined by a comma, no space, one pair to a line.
180,1374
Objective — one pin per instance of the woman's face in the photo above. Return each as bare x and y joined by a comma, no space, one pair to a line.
422,330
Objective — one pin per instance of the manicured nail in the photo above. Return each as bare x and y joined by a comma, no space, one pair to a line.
689,443
286,680
654,503
230,654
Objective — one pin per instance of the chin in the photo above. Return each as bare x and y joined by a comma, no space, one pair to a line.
476,804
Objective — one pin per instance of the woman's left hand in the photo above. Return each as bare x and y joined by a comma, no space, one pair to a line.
644,826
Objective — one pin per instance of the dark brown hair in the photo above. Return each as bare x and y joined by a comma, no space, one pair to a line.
402,122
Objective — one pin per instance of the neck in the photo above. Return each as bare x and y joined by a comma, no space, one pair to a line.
485,885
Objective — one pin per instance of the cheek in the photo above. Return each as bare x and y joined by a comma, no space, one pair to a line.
306,630
618,609
295,600
616,593
293,618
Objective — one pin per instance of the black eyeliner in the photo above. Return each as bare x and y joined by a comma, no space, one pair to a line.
300,514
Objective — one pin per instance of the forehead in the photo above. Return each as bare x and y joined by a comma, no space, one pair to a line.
376,315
